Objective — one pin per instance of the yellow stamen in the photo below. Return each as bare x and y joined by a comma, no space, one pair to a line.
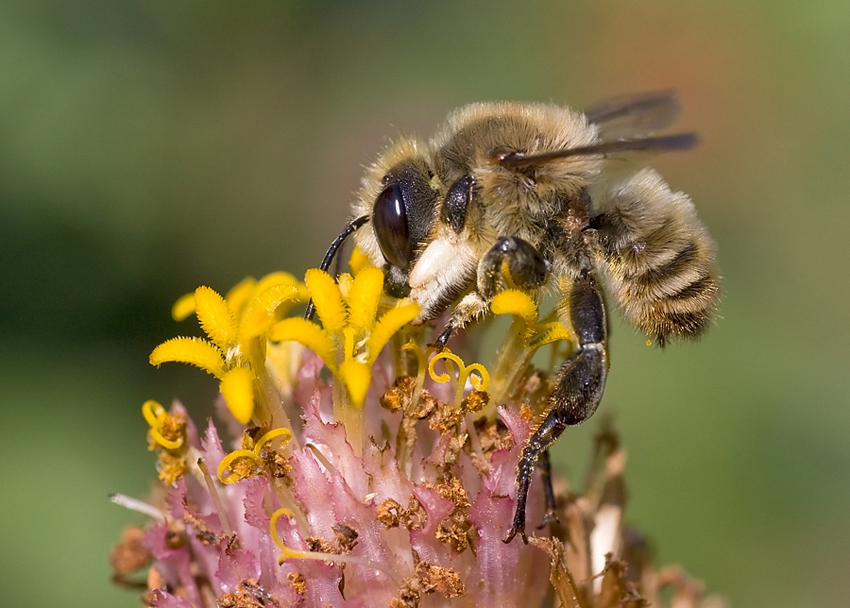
273,529
271,435
237,388
290,553
548,333
358,261
215,317
356,376
155,415
277,278
240,293
224,465
327,299
309,334
519,304
480,383
364,297
193,351
260,311
183,307
388,325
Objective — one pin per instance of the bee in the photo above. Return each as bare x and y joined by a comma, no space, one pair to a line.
521,189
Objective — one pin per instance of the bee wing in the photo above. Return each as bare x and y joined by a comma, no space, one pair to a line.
634,115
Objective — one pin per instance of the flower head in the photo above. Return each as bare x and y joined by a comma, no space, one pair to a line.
369,471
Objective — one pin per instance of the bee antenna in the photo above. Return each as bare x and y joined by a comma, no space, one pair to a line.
661,143
332,251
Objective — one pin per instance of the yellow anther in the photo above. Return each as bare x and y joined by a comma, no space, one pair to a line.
260,312
215,317
237,388
277,278
327,298
155,416
388,325
271,435
548,333
240,293
519,304
358,261
193,351
183,307
309,334
364,296
224,466
356,376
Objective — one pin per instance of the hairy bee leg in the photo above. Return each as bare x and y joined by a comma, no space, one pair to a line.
579,388
528,269
551,514
471,306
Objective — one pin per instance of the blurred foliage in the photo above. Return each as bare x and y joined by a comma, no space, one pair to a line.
146,148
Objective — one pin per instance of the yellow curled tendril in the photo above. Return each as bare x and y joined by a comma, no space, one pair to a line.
273,434
480,384
286,552
252,454
155,415
224,465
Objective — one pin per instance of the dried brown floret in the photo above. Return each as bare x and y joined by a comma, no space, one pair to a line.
445,418
475,401
429,579
320,545
276,463
397,398
171,467
443,580
392,514
389,513
455,529
202,530
248,594
493,435
298,583
346,537
129,554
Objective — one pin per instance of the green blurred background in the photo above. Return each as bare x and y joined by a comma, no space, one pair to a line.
149,147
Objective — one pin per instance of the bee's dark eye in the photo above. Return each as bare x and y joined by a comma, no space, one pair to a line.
390,222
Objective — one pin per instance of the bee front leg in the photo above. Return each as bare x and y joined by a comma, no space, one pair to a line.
526,268
580,383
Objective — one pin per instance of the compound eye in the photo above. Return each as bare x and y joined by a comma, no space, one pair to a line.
391,228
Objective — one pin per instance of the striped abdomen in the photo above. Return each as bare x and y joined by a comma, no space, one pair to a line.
658,256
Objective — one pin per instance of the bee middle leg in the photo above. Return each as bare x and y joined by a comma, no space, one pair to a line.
580,383
526,268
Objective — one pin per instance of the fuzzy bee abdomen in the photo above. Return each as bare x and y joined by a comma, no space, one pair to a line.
658,257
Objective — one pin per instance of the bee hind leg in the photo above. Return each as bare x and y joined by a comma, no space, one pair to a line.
578,391
551,514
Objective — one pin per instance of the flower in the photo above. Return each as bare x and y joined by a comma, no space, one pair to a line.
368,471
